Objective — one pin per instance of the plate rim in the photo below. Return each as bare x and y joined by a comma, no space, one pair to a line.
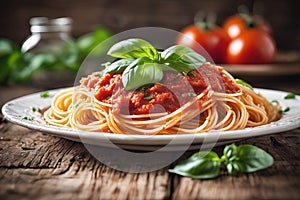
287,122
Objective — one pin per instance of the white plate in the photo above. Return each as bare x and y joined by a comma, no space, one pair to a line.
17,109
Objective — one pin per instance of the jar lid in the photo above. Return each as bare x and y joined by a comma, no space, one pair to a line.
44,24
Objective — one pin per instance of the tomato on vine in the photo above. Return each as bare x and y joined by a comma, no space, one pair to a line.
207,34
236,24
254,46
251,40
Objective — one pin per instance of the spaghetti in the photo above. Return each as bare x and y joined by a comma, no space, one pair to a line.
206,99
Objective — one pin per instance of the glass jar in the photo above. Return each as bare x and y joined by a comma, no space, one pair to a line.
51,52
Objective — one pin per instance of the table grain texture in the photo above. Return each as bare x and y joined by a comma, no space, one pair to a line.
56,168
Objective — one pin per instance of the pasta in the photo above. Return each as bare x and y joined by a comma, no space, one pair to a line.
219,104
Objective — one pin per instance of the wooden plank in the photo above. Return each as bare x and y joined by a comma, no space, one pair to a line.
60,169
280,181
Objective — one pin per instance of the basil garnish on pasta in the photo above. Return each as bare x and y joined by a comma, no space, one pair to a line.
142,63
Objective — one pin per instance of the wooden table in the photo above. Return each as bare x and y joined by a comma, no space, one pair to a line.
57,168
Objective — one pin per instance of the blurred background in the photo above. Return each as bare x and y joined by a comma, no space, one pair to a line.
112,17
121,15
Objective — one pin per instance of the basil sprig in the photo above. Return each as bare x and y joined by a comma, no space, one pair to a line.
141,63
237,160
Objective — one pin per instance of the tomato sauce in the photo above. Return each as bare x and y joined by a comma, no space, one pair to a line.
167,96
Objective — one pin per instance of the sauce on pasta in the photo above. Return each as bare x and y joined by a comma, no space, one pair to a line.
173,91
207,98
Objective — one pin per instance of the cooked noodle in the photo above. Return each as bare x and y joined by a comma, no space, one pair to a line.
78,108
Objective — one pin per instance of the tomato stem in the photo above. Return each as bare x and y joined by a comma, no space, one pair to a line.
205,22
246,16
249,20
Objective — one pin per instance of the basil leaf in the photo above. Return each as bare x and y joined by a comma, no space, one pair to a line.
229,157
245,159
243,83
290,96
28,118
192,94
118,66
133,48
201,165
140,72
285,110
252,158
230,152
35,109
182,58
44,94
235,167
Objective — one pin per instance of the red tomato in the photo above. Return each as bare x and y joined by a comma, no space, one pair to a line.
253,46
214,41
237,24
